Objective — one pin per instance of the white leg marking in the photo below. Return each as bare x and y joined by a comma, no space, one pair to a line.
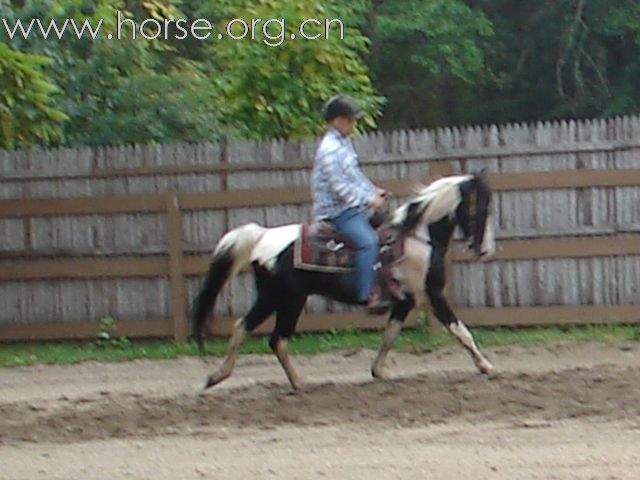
460,331
239,334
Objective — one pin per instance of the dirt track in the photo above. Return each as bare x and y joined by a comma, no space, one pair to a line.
552,413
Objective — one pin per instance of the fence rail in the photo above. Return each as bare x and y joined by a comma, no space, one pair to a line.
196,265
241,198
560,315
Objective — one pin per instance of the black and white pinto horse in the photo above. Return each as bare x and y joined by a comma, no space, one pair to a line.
427,223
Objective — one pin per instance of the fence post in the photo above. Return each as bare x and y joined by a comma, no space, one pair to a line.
176,275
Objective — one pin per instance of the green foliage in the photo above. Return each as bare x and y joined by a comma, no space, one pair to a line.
436,36
486,61
414,341
277,91
122,90
427,62
138,91
421,49
570,59
27,101
107,337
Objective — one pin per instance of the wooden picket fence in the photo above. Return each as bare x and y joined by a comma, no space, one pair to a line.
567,207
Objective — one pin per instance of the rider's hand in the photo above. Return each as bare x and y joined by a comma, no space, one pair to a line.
378,200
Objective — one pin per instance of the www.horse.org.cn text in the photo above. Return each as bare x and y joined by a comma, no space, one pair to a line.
272,32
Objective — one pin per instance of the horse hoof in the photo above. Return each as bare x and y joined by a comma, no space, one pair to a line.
488,370
296,389
213,380
210,383
378,374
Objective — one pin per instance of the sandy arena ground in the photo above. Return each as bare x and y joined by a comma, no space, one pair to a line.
551,413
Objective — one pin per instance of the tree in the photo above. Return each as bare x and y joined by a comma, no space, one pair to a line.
274,88
560,59
27,111
427,62
423,53
122,91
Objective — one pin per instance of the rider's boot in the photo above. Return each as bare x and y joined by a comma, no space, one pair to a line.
375,304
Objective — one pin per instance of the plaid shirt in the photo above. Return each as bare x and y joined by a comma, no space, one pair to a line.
337,183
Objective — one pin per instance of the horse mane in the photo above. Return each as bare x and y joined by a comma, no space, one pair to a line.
435,200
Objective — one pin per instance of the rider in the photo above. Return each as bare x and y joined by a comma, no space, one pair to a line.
343,195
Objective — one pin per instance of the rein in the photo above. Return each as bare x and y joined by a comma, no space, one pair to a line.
415,236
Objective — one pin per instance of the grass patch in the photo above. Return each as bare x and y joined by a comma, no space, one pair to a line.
411,340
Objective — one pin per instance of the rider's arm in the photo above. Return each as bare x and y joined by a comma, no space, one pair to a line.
369,190
345,179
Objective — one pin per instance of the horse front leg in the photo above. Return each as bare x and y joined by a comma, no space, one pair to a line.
394,326
462,333
279,347
444,313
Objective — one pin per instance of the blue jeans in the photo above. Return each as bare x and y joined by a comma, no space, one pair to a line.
354,225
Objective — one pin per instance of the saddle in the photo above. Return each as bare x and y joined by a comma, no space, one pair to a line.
321,248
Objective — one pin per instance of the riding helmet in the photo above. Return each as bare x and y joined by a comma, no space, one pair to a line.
341,106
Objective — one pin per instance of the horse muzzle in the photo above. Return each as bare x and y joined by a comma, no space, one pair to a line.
482,254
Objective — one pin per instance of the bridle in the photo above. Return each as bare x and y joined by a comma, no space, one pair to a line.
473,219
478,207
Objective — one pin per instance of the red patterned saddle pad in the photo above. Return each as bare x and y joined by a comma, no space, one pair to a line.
321,248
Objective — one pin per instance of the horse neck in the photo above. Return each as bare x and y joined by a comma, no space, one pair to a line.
441,232
434,233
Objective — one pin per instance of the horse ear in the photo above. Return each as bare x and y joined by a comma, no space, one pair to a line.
482,174
481,177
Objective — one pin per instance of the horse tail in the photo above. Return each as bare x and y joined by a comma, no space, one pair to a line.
231,256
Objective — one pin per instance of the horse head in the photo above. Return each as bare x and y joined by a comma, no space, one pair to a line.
464,201
473,214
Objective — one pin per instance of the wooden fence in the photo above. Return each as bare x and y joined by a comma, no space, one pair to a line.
126,232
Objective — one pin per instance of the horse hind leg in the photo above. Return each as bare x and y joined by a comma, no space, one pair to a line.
394,326
243,326
286,319
224,372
